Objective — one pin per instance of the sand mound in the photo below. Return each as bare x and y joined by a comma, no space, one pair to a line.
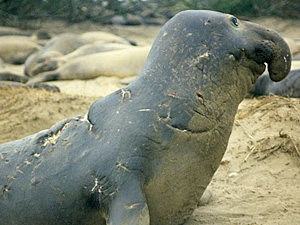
25,111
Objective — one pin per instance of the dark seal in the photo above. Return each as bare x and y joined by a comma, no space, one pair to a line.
289,87
144,154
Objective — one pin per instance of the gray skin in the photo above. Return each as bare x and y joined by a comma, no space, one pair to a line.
289,87
145,153
57,46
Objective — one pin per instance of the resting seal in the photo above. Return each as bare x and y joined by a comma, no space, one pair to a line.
5,31
145,154
17,51
54,63
94,36
289,87
57,46
120,63
65,44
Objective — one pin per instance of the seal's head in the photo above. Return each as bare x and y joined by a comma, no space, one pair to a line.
220,46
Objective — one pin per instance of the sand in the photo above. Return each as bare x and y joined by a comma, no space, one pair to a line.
258,181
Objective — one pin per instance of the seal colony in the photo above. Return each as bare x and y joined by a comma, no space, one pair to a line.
145,153
64,44
120,63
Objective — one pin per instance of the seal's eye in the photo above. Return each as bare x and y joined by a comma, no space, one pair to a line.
234,21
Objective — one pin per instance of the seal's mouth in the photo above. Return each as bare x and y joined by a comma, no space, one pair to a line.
257,69
255,64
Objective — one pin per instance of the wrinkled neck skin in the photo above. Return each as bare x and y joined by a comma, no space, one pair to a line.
206,88
210,83
201,90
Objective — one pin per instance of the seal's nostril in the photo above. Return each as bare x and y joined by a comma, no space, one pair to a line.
200,96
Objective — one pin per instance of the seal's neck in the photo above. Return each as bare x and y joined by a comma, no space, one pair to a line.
217,80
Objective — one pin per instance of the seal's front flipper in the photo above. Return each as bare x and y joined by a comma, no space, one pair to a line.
129,205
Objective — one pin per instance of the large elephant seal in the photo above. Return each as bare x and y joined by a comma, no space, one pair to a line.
120,63
144,154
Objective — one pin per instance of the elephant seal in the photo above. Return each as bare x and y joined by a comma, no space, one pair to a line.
17,38
67,43
94,36
17,51
97,47
294,45
145,153
57,46
4,31
289,87
120,63
34,38
54,63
